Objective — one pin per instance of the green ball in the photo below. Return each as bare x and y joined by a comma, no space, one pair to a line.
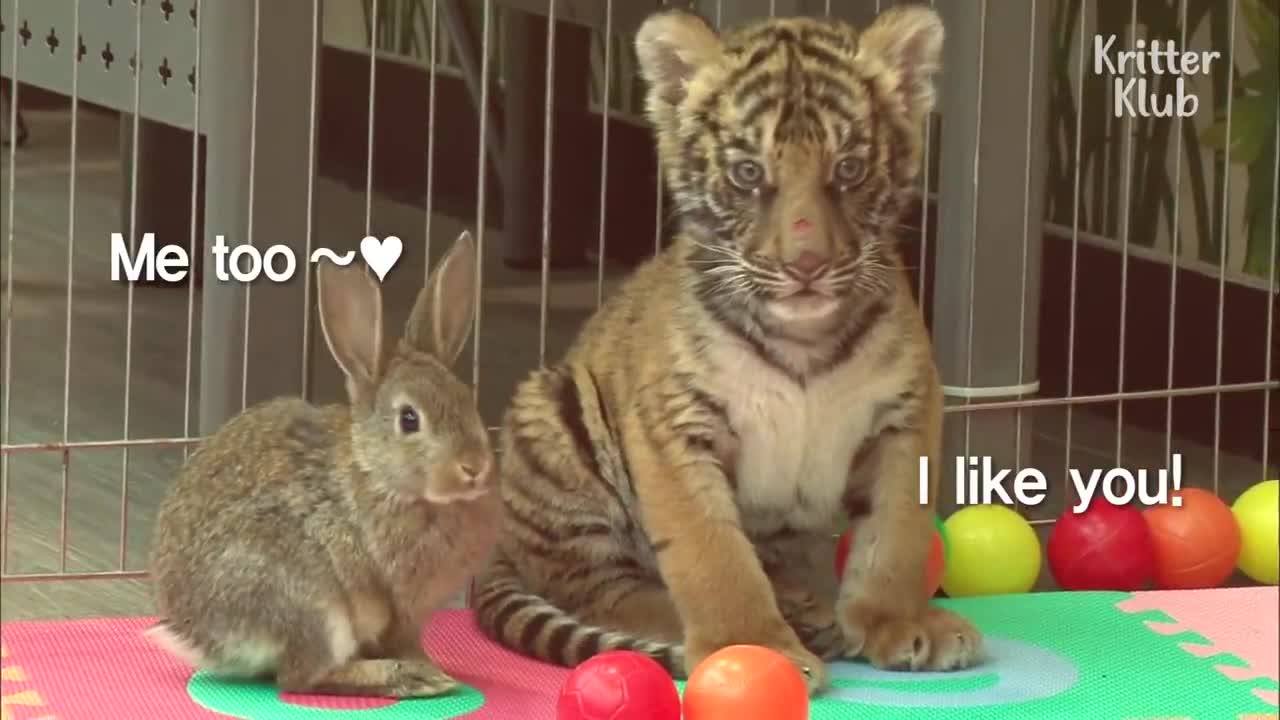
1257,511
992,551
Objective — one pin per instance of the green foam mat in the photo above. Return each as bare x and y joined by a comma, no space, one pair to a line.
1055,655
1189,655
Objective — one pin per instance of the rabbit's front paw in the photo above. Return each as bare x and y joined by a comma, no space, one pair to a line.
417,678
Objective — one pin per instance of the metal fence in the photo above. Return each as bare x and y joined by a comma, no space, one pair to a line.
1036,192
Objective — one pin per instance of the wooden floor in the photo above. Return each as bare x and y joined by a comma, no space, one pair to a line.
78,372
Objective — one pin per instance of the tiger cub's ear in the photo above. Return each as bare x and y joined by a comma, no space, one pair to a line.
907,42
671,45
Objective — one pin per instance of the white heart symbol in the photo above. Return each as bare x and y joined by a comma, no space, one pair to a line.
381,255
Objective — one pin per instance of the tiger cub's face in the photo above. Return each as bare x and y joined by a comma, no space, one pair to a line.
789,147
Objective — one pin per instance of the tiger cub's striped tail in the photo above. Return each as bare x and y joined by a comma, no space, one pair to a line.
531,625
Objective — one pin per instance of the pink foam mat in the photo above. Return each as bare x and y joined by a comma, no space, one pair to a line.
103,669
1240,622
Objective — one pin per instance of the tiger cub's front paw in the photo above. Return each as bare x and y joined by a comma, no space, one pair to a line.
935,640
814,622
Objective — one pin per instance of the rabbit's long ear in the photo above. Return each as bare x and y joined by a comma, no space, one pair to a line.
441,319
351,318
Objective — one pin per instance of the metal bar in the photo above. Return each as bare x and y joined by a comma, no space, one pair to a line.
1271,307
1113,397
7,450
545,271
311,192
1174,252
1026,234
983,407
128,332
63,505
1266,385
1200,267
604,143
195,230
481,165
1222,260
973,238
431,138
369,134
253,163
50,577
1075,249
8,305
70,276
923,270
1127,184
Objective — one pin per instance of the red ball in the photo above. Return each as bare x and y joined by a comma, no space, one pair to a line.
1197,544
619,685
842,552
1106,547
746,682
934,569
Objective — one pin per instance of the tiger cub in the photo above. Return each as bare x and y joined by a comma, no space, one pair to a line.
673,484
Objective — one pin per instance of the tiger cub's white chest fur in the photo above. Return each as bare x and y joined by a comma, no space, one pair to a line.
795,444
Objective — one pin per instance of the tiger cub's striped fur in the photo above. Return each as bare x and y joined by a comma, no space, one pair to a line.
672,485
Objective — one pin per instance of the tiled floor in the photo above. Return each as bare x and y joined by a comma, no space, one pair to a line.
93,403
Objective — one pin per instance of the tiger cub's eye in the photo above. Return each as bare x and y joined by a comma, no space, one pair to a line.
746,174
849,170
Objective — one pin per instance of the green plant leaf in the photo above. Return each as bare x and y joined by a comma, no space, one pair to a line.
1253,120
1263,27
1215,136
1256,80
1260,213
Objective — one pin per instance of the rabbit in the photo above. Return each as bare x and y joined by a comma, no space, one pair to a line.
309,544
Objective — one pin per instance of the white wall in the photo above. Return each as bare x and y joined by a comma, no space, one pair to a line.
343,24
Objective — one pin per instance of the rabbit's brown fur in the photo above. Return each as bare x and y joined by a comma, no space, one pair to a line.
310,544
673,484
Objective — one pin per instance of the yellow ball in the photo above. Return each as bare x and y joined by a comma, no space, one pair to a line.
993,551
1257,511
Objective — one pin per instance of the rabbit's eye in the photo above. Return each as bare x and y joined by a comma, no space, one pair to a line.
408,420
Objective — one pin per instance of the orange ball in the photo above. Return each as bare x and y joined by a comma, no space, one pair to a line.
936,563
746,682
1197,544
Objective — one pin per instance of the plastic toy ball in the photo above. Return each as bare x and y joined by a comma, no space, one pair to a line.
746,682
1197,544
619,685
937,559
1257,511
1106,547
994,551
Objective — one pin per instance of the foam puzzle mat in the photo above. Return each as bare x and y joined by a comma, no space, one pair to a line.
1193,655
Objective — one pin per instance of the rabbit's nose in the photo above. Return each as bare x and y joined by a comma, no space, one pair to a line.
474,472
